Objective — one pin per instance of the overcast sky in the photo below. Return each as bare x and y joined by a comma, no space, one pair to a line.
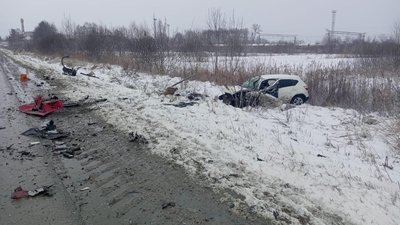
307,18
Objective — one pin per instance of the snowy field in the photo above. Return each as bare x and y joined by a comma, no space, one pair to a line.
305,165
294,59
288,61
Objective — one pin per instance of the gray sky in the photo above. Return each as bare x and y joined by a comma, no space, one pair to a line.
307,18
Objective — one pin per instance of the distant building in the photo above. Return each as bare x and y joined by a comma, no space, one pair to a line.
27,35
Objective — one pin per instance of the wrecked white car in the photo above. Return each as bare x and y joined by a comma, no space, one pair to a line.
283,87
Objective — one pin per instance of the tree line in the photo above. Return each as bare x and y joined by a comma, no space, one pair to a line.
223,37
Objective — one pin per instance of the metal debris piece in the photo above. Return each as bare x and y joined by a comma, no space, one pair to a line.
34,143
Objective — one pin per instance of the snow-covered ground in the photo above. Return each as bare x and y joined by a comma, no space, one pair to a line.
288,61
305,165
295,59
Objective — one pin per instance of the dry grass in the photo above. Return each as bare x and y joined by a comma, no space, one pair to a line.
366,84
366,87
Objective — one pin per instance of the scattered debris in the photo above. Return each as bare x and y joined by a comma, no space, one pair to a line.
174,151
370,120
183,104
322,156
26,153
19,193
260,159
60,147
48,131
40,107
196,96
65,151
45,191
68,155
138,138
168,205
23,77
84,102
47,77
49,125
66,70
39,84
170,91
52,96
73,151
276,214
234,175
34,143
386,164
90,74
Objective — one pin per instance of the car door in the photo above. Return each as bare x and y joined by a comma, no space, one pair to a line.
269,86
286,90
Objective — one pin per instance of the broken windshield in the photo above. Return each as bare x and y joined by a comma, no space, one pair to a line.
252,83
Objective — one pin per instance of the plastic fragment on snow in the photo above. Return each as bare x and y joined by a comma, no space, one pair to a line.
19,193
67,155
60,147
36,192
34,143
168,205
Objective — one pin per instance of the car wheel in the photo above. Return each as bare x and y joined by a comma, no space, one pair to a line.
297,100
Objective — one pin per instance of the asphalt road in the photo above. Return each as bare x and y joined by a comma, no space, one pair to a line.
30,171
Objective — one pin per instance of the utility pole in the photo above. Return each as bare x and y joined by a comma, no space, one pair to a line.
22,26
332,31
155,26
333,20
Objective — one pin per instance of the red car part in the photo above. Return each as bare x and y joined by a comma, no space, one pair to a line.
40,107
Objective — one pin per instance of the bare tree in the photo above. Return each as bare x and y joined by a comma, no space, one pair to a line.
161,44
68,27
119,40
396,32
142,46
15,39
216,23
255,33
95,40
46,39
138,31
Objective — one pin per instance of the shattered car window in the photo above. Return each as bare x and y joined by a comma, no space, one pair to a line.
252,83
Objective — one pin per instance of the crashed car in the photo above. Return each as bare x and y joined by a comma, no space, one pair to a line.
283,87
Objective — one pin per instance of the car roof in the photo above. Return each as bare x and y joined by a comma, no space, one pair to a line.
280,76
